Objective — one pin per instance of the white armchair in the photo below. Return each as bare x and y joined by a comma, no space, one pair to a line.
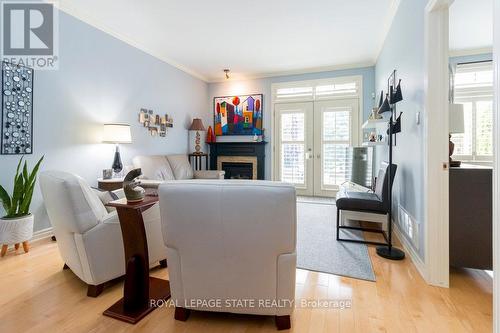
89,238
228,241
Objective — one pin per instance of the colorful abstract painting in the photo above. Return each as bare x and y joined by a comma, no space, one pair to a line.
238,115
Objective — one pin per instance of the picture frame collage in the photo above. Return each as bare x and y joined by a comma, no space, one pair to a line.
156,124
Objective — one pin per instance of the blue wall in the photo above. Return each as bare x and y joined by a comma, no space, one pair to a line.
102,79
264,86
403,50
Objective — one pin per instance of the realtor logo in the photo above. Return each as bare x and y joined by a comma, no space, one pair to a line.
29,34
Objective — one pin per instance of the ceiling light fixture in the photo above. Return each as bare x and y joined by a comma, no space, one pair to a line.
226,71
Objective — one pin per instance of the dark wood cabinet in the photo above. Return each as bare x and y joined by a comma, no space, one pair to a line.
471,219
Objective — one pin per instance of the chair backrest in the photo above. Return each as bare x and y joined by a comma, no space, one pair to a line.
226,236
73,208
71,203
381,185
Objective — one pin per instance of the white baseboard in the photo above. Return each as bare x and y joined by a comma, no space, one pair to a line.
410,250
42,234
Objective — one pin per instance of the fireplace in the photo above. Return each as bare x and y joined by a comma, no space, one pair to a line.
237,170
238,167
240,160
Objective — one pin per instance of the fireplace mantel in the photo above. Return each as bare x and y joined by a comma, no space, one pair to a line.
256,149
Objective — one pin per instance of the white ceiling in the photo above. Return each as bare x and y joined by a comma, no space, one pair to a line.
471,25
254,38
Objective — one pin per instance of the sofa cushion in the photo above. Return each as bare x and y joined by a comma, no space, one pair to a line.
154,167
180,166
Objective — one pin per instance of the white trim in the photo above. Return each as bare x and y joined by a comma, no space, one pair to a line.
436,196
393,9
470,52
296,72
496,166
410,250
42,234
87,18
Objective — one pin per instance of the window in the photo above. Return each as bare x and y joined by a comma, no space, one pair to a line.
340,87
474,89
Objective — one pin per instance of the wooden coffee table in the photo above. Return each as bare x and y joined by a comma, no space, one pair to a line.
140,292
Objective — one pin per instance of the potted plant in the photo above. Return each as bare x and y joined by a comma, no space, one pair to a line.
17,225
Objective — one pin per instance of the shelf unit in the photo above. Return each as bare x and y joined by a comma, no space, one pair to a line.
373,123
373,144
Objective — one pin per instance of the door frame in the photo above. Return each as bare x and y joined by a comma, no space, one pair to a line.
358,78
436,164
496,165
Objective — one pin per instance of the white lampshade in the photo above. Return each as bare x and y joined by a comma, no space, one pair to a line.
457,118
116,133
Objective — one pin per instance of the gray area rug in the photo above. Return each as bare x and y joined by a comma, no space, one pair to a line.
318,249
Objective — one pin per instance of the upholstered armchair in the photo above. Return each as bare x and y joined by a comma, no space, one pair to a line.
88,236
230,240
159,168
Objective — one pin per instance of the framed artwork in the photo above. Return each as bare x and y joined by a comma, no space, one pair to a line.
17,110
238,115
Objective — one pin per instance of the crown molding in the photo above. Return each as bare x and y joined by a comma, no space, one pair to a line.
87,18
243,77
470,52
393,9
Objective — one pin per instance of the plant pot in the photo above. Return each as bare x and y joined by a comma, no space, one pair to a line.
16,230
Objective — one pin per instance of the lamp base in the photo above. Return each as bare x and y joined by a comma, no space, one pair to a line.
117,161
392,254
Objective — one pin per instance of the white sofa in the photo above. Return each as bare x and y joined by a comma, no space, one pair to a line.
230,240
88,236
159,168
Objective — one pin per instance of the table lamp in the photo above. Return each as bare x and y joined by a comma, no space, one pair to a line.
117,133
194,132
456,126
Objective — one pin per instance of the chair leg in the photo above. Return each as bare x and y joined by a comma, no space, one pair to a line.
26,246
95,290
163,263
181,314
282,322
338,223
5,247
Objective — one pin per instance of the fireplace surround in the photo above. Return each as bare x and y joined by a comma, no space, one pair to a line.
238,159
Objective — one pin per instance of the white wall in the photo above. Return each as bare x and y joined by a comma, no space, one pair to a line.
101,79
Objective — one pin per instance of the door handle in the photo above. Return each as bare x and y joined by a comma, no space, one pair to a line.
309,154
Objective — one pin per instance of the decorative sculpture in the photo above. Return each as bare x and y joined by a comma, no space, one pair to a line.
133,192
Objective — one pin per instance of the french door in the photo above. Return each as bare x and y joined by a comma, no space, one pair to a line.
312,141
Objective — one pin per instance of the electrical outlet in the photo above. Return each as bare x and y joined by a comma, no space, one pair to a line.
409,226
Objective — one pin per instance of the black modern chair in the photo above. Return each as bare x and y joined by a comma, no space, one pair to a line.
369,202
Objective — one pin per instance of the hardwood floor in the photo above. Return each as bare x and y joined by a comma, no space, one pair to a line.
37,295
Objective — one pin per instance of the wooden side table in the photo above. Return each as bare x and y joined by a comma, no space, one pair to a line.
196,160
109,184
140,290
